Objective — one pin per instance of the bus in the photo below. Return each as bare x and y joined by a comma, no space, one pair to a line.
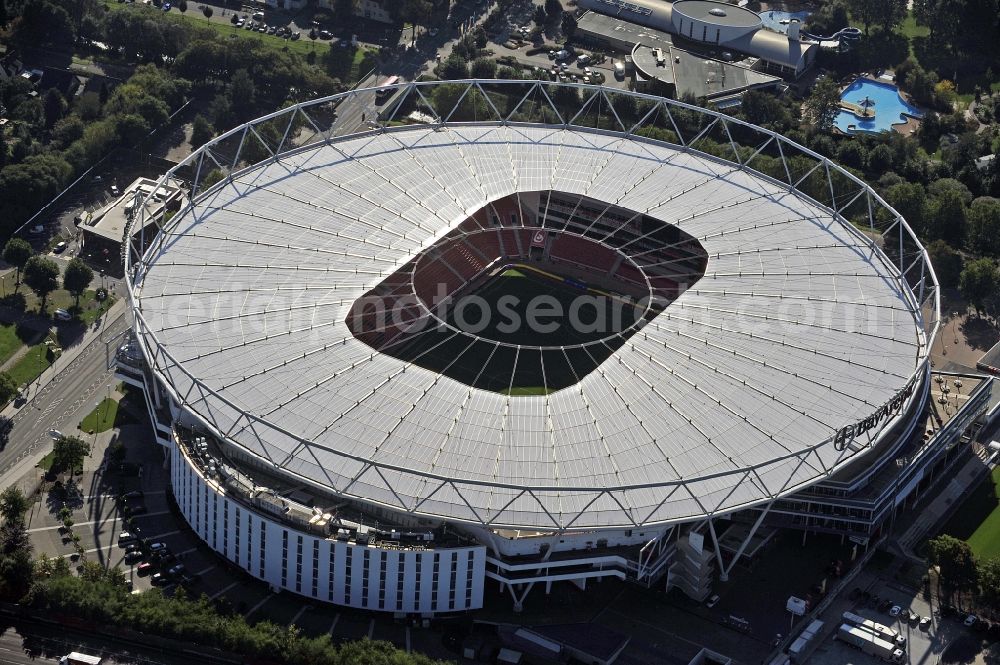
382,95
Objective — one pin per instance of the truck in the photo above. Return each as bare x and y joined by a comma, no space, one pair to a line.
870,643
880,630
77,658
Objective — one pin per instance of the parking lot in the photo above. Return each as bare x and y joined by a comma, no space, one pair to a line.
945,638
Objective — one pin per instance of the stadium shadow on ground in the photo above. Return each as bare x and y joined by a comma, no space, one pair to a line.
524,310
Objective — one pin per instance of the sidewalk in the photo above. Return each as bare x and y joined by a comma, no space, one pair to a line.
29,458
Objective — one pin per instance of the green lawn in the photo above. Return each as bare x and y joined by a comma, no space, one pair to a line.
910,29
342,62
977,521
301,46
9,341
31,364
102,418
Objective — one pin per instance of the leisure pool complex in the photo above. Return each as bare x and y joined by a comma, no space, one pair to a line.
889,107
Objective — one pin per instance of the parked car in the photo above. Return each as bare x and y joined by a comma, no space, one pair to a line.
325,34
895,611
176,571
925,623
37,230
912,616
60,247
62,315
157,547
711,602
144,568
159,579
133,557
131,496
295,35
971,620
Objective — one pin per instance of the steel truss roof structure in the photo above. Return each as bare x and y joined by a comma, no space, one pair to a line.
817,308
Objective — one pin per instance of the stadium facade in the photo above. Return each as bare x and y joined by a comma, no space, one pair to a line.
773,371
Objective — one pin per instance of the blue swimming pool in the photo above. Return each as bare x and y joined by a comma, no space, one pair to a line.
889,107
778,20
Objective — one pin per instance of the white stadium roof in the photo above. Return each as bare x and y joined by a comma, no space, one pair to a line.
729,397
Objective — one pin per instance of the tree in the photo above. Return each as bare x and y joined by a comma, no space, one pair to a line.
983,235
201,131
241,93
568,25
207,11
946,217
954,560
553,8
77,278
182,6
978,282
13,504
42,276
68,453
16,252
540,17
453,69
54,107
484,68
946,261
880,159
823,104
8,387
6,422
866,11
988,574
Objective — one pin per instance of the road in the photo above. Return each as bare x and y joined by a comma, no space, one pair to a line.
24,642
68,396
354,112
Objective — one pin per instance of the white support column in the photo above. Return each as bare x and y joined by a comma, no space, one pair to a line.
723,573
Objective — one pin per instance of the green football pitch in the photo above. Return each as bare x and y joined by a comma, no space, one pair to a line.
977,521
498,311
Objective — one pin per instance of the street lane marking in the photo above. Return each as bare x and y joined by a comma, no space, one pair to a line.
295,619
202,572
371,628
333,625
407,639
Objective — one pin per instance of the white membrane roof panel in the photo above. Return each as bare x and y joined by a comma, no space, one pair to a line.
796,329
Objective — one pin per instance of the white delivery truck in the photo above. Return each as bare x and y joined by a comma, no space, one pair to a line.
77,658
870,643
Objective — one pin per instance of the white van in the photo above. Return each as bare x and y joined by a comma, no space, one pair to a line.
583,60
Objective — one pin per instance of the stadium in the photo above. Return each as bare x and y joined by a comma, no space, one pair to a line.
528,333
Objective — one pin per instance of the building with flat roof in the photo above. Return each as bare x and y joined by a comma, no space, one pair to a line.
103,232
717,24
660,67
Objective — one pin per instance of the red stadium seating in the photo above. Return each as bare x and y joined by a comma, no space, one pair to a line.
567,247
